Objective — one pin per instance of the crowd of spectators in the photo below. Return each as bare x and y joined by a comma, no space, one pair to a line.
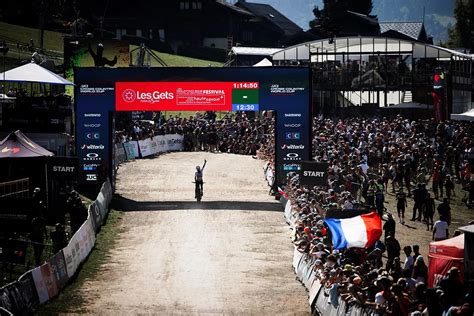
237,133
369,159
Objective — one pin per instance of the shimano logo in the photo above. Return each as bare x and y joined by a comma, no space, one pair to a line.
292,146
92,115
292,114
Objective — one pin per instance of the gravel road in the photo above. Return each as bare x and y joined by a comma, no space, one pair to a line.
231,254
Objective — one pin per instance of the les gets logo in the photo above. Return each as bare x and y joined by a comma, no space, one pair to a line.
130,95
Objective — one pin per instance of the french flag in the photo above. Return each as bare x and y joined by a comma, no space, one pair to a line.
359,232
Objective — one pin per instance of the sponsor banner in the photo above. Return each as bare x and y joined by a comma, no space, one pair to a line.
145,148
154,145
101,202
174,141
28,290
162,145
63,168
94,213
314,173
86,239
72,255
136,150
129,151
120,155
44,282
107,191
58,267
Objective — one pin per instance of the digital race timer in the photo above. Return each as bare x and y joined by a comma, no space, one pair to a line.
245,96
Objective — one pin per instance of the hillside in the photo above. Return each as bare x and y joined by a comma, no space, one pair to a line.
53,44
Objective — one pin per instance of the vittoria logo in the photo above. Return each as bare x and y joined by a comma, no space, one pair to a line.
129,95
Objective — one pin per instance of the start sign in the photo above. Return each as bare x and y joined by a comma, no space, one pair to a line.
63,168
314,173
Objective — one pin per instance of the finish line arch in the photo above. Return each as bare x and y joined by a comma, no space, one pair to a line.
99,92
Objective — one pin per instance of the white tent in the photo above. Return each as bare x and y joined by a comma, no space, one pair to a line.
32,72
263,63
466,116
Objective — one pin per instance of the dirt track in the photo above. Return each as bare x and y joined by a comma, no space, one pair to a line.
228,255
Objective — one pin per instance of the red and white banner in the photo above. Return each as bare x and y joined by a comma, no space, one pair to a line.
173,96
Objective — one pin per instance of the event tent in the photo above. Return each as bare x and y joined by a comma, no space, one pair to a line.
17,145
32,72
443,255
466,116
263,63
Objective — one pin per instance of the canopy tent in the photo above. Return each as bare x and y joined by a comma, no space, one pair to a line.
17,145
466,116
444,255
263,63
32,72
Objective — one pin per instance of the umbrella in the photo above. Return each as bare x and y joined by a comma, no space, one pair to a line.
32,72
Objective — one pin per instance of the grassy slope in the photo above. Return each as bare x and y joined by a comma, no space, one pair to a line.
68,300
53,41
21,34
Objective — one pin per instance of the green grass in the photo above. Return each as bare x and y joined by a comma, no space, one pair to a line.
20,34
53,41
181,61
69,300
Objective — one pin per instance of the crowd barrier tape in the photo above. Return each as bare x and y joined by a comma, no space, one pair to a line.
44,282
318,299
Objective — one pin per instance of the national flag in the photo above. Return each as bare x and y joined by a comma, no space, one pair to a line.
359,232
283,193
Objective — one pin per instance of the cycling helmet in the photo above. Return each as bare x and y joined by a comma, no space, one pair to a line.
198,168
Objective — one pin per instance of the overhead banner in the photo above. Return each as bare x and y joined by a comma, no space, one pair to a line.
314,173
186,96
101,91
63,168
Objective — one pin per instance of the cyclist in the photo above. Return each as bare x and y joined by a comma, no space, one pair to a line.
198,178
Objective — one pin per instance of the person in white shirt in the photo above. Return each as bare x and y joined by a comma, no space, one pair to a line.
408,264
440,229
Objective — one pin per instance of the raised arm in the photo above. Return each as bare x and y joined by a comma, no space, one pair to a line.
204,165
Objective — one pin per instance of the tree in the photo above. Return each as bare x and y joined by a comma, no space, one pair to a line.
461,34
334,10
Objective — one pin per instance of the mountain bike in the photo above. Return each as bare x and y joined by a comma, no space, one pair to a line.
198,192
